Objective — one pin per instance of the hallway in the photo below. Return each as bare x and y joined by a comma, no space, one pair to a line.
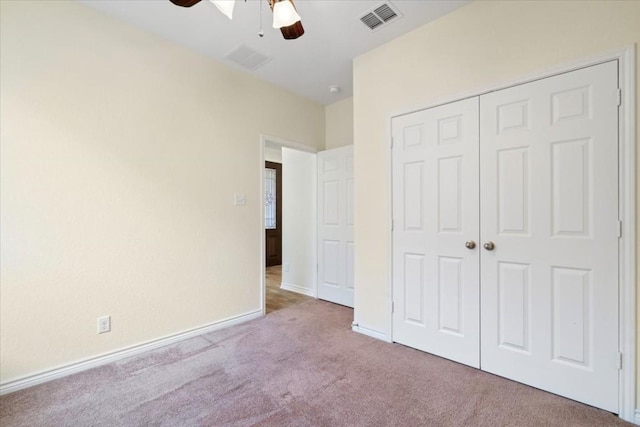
276,298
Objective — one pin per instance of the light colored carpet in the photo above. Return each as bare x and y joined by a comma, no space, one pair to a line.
300,366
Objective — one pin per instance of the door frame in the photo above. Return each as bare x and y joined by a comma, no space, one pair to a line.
264,138
626,58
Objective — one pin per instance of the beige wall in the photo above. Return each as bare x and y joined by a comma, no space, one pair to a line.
120,154
339,124
482,44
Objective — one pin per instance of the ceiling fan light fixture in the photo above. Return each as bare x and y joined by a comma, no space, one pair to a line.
225,6
284,14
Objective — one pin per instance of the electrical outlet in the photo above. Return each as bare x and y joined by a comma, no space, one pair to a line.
104,324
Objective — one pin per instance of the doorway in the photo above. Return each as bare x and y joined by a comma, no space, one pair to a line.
288,218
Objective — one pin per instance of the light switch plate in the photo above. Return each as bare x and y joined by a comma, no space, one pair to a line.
239,199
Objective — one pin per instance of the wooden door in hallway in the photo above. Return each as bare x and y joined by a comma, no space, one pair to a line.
273,213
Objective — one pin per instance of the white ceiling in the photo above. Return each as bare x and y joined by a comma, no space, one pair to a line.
307,66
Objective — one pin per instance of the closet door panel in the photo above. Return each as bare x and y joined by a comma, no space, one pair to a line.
435,211
549,204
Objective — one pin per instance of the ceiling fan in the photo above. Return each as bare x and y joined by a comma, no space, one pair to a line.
285,16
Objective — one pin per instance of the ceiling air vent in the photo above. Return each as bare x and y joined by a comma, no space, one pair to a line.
247,57
380,15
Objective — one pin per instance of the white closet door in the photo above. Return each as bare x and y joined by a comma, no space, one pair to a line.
549,203
335,225
435,211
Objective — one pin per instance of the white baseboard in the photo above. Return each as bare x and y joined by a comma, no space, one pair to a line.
93,362
370,332
636,419
297,289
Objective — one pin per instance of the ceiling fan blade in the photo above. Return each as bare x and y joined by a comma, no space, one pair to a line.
184,3
292,32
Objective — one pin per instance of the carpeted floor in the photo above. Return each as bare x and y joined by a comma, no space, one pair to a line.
300,366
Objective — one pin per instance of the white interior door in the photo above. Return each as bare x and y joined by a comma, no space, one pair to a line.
299,221
542,193
435,211
549,180
335,226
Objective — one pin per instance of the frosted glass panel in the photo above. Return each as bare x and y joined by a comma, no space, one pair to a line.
270,199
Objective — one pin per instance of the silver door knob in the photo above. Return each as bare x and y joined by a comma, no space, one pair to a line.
489,246
470,244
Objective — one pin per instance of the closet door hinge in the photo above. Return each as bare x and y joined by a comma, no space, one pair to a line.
392,143
619,229
393,307
619,361
619,97
393,224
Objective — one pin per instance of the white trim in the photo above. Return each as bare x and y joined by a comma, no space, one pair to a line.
298,289
94,362
370,333
626,58
389,151
627,199
636,419
261,249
